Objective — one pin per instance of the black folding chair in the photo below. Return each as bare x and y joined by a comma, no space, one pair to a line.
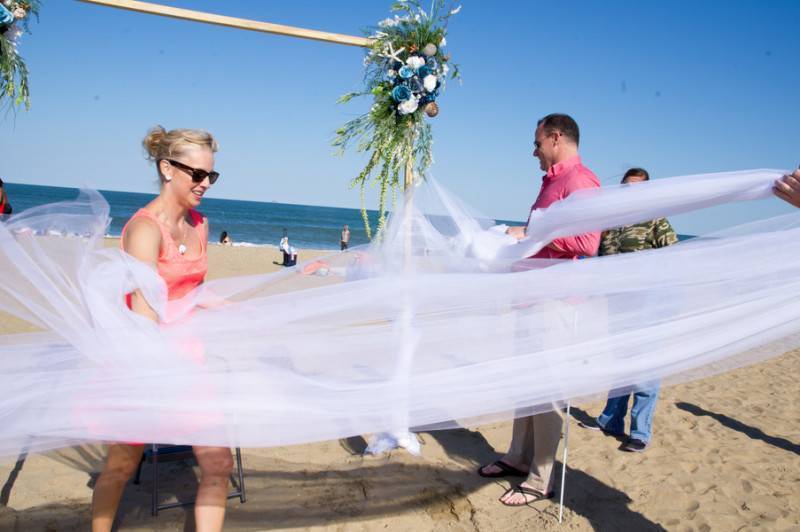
158,453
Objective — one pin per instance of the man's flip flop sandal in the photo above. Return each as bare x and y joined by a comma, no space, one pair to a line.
505,471
527,492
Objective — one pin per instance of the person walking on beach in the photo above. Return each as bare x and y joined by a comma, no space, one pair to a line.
628,239
345,243
172,237
5,206
535,439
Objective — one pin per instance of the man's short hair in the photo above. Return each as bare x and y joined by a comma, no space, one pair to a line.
563,123
638,172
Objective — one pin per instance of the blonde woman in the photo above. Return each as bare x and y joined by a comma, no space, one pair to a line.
172,237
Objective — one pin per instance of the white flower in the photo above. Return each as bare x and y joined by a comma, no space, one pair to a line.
391,73
408,106
445,70
443,42
455,11
20,13
415,62
429,83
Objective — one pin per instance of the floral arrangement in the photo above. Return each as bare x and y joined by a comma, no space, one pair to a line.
14,17
406,69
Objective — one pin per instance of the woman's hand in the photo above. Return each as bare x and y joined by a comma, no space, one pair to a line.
787,188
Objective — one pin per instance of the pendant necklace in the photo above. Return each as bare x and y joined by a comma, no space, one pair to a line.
182,246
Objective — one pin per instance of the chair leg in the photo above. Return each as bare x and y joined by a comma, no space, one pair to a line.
242,495
139,471
154,509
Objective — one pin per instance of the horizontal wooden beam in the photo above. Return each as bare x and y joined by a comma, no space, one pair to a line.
233,22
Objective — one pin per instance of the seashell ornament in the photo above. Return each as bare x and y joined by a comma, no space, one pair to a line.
431,109
430,49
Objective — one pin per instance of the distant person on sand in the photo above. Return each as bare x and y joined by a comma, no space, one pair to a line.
630,238
289,253
224,239
787,188
284,245
345,243
5,206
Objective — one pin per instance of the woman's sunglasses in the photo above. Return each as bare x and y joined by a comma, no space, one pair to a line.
198,174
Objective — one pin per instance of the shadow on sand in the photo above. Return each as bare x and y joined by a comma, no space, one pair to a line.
752,432
287,495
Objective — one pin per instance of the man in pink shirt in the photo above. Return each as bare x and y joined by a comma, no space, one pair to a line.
556,147
535,439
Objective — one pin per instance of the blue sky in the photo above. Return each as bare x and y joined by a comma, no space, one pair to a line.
676,87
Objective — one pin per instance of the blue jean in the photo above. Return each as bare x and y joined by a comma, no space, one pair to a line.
644,405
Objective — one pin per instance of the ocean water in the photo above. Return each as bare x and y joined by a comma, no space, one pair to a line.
247,222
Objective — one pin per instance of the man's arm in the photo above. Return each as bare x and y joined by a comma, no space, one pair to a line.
517,232
609,243
664,235
787,188
584,245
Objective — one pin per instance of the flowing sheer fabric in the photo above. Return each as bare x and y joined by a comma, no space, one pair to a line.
442,322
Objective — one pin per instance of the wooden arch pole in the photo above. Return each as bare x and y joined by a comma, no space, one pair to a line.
233,22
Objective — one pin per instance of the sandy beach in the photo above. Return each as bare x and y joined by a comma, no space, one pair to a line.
725,456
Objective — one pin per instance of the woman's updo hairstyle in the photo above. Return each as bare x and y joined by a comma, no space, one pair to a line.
162,144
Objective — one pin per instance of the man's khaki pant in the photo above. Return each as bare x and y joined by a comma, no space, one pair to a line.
534,441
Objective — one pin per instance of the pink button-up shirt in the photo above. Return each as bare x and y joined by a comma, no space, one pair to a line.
562,180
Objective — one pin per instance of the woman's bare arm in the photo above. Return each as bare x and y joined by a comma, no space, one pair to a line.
143,241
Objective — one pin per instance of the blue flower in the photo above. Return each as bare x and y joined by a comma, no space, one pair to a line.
6,17
401,93
423,71
406,72
415,84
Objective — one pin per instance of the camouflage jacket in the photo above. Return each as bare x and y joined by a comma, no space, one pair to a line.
647,235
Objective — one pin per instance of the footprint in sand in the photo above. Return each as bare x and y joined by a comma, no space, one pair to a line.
746,486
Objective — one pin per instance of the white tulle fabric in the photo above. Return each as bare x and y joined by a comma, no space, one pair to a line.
440,323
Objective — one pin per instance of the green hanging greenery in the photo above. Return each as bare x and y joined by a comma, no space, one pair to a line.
406,69
14,18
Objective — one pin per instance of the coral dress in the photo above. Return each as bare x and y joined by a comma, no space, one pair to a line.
181,274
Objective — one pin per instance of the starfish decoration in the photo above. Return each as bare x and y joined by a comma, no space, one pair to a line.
392,54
